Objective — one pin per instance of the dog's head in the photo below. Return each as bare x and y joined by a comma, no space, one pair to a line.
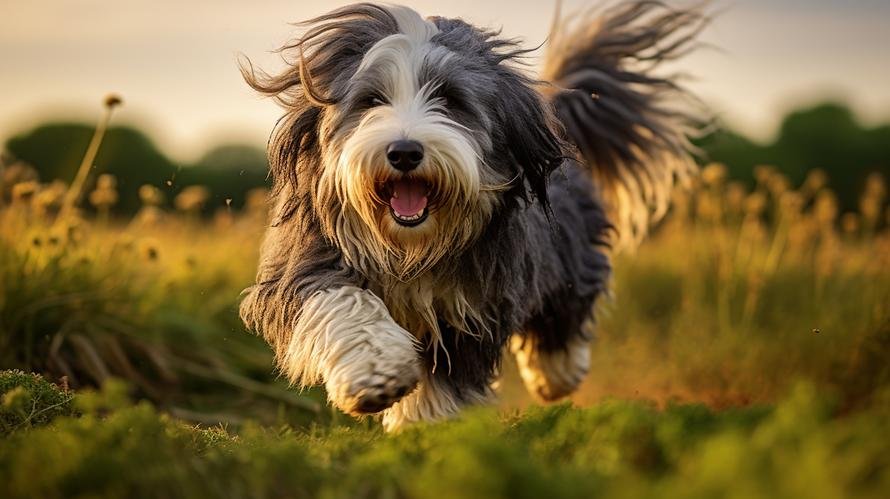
406,135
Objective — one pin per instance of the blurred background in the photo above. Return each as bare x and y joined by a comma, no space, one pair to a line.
772,267
795,83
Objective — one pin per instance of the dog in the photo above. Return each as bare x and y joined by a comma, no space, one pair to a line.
435,205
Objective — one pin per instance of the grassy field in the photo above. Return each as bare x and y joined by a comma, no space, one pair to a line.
746,353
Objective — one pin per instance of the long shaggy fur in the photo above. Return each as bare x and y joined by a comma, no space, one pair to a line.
412,320
630,123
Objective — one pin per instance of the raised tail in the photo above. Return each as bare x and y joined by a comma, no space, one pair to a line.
630,124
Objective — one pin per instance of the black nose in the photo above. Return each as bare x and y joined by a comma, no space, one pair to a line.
404,155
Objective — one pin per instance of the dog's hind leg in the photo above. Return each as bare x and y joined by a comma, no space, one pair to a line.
552,345
554,374
553,351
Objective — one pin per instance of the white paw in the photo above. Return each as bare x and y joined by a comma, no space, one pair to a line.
347,338
374,370
373,380
551,375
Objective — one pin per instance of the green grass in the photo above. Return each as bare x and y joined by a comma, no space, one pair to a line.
801,447
158,309
28,400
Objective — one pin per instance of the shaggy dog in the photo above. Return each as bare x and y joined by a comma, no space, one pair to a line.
435,205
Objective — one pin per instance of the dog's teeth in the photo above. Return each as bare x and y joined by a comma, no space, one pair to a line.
409,218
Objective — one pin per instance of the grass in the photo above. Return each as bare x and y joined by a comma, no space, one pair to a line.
692,326
797,448
744,354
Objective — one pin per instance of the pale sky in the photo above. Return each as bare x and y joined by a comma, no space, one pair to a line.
175,62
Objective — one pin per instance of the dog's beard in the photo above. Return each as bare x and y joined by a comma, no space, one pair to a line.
358,187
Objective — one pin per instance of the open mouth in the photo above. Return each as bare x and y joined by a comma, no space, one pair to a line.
407,200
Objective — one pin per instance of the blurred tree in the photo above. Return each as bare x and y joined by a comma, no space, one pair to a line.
229,171
739,154
828,137
825,136
56,150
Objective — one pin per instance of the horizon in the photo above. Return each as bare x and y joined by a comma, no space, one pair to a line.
213,144
184,89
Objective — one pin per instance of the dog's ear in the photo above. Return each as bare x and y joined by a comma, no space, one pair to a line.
321,62
530,133
527,142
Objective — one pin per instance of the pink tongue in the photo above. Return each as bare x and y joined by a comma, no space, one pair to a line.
408,197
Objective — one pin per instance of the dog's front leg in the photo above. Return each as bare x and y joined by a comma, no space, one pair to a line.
346,337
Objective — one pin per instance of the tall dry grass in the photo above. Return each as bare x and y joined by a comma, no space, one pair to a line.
737,294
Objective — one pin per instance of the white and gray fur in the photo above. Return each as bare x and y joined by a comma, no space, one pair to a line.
412,321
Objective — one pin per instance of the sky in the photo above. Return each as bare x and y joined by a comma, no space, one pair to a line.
175,61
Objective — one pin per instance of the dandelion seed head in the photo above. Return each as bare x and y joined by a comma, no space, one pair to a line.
714,174
151,195
23,191
778,184
850,223
755,203
192,198
735,196
763,174
50,197
875,186
816,180
111,101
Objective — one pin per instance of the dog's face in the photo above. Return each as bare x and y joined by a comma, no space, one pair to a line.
412,135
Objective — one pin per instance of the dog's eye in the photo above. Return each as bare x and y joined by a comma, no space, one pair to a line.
376,100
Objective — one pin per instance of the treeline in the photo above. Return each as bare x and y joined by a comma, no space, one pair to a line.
827,136
55,150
